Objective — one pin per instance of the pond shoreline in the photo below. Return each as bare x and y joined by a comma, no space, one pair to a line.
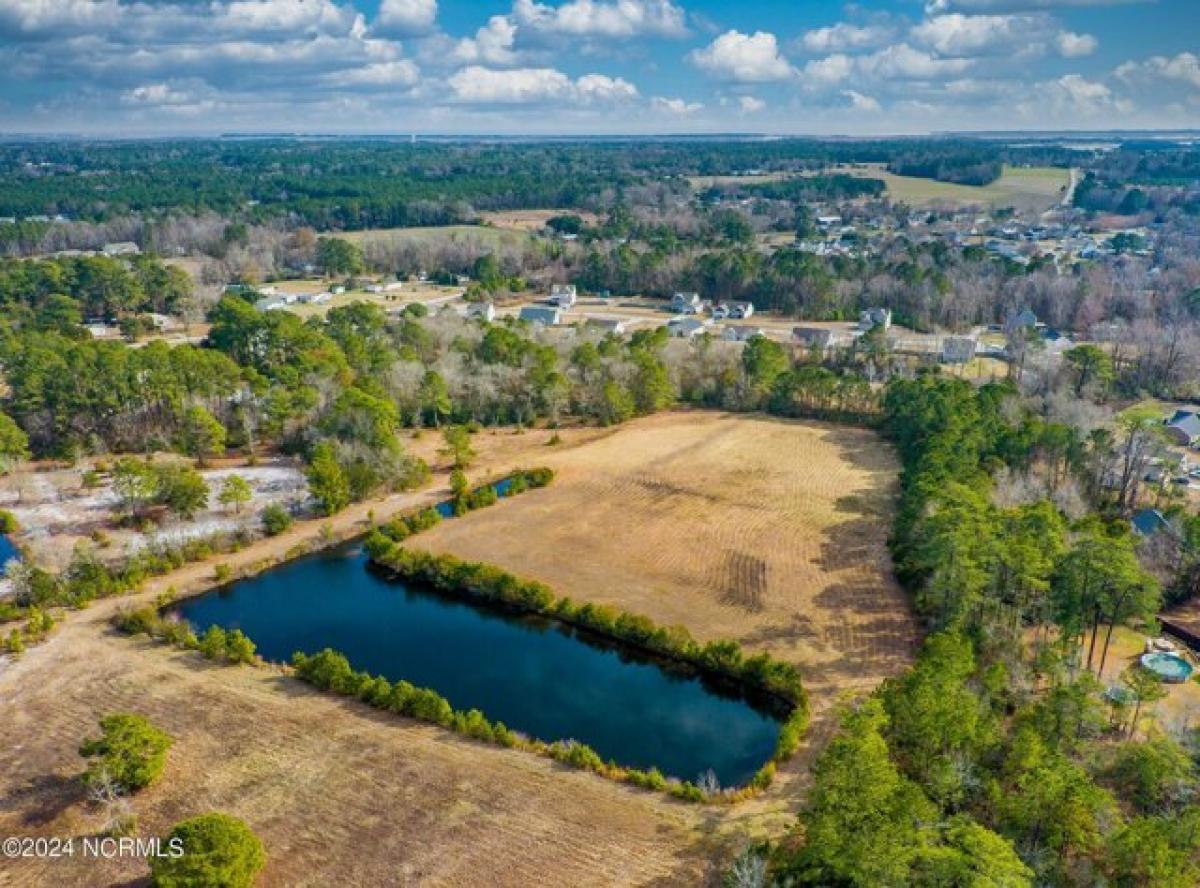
779,705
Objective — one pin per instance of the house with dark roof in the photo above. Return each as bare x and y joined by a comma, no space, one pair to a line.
546,315
1149,522
813,337
1184,427
1025,318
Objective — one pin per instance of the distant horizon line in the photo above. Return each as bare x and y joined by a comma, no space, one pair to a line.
1041,134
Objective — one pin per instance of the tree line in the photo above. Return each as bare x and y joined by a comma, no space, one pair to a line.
996,759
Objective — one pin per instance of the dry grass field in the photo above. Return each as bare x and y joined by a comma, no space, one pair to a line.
700,183
472,235
766,531
1025,188
763,530
532,220
340,794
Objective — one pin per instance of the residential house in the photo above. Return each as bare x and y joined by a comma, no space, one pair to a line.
686,303
1149,522
615,326
484,311
686,328
1025,318
121,248
164,323
101,330
958,349
1184,427
563,295
1056,341
813,337
741,332
739,311
875,317
546,315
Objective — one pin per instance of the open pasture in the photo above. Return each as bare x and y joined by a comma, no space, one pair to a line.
1024,188
767,531
436,236
532,220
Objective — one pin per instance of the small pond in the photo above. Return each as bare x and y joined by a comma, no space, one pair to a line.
7,551
537,676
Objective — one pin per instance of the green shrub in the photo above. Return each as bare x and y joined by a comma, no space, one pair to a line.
136,622
15,642
8,522
688,792
213,643
791,732
130,750
219,851
238,648
578,755
652,779
275,519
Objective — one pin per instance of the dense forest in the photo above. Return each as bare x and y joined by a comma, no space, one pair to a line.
378,183
964,166
997,759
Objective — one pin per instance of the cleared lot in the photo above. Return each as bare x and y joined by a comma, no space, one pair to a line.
767,531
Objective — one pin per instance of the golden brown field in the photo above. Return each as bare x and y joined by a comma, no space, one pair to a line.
532,220
764,530
771,532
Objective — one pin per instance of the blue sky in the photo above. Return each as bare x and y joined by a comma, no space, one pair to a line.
141,67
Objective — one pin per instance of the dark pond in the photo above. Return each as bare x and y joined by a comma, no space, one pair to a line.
537,676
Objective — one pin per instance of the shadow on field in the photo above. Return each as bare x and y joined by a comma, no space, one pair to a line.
43,798
864,628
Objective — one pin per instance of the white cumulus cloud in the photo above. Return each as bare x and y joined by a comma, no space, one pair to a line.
407,16
861,102
1073,46
493,43
959,35
603,18
904,62
1183,68
678,107
829,70
479,85
933,6
745,58
399,72
843,36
